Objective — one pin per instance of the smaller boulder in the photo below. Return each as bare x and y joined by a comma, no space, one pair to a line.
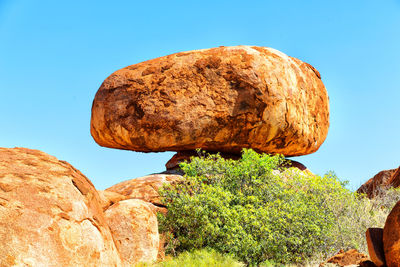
144,188
391,237
375,246
183,156
134,228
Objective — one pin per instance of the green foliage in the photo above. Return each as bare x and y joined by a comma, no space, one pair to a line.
199,258
253,210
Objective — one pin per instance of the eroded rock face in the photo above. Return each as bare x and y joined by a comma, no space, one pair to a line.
381,182
219,99
50,214
144,188
135,230
391,237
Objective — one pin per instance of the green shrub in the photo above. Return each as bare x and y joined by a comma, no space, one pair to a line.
198,258
253,210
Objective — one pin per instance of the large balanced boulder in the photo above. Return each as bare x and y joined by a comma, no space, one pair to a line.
50,214
220,99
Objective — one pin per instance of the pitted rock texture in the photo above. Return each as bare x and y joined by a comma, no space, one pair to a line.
50,214
144,188
135,230
109,198
219,99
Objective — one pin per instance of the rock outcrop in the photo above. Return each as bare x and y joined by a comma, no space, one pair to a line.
391,237
50,214
380,183
134,227
219,99
144,188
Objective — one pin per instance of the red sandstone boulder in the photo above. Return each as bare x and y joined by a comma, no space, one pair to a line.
381,182
144,188
219,99
350,257
391,237
375,246
50,214
134,227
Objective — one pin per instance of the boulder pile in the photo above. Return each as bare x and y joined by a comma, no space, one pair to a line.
51,215
220,100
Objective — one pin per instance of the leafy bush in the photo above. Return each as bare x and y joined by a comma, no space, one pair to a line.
201,258
257,212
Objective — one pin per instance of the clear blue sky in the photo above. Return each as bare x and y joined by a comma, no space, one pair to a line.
55,54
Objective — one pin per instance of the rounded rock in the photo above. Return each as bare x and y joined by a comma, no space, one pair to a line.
50,214
134,227
220,99
391,237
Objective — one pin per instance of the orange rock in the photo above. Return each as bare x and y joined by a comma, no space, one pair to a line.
375,246
134,227
380,182
391,237
108,198
144,188
394,180
50,214
349,257
219,99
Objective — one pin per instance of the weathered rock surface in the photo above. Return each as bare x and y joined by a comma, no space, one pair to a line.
144,188
135,230
219,99
381,182
108,198
50,214
391,237
350,257
375,246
